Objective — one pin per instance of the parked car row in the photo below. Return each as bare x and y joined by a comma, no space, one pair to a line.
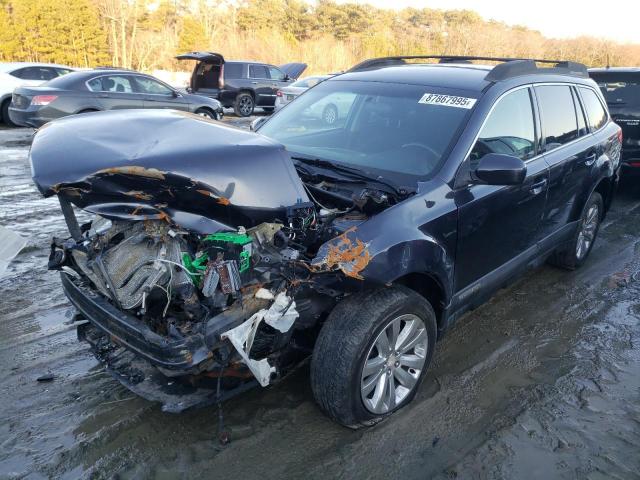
357,240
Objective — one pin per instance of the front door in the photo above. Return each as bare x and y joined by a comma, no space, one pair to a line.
159,95
498,226
261,84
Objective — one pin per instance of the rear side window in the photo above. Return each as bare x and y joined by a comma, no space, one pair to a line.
559,122
620,88
111,83
258,71
582,124
233,70
35,73
596,114
509,129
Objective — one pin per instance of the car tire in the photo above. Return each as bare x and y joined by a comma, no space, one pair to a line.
574,254
5,113
330,114
244,105
350,347
205,112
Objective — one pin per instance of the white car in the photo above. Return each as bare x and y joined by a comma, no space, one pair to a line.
17,74
288,93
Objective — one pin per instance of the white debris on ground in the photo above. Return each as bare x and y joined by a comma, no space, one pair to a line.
10,245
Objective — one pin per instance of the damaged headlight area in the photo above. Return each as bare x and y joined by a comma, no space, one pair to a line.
171,310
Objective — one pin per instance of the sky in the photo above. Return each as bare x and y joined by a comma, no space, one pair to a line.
617,20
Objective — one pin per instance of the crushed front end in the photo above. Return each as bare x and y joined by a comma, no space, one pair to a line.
198,276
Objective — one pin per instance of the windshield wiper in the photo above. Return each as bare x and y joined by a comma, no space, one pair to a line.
352,172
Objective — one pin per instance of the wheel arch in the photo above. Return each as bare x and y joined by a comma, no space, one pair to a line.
430,288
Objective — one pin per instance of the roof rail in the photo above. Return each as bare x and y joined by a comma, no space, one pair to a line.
108,67
510,67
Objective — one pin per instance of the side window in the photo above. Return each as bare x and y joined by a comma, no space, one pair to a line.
233,70
62,71
47,73
582,125
258,71
149,85
558,114
596,114
276,74
509,129
114,83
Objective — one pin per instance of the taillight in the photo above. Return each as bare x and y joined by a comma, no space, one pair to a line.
620,135
43,99
221,77
279,93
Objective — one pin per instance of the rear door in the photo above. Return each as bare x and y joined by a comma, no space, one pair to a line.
261,84
158,95
569,151
499,226
116,92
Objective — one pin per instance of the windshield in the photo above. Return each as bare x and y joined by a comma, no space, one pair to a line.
370,125
619,88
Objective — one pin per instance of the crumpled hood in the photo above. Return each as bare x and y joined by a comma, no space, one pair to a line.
142,164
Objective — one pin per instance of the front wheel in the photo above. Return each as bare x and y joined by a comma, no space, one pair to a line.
244,105
205,112
575,253
371,355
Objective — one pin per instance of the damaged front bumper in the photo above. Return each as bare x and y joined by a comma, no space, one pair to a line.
179,373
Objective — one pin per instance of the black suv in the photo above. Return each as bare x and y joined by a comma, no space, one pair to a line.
621,89
220,258
240,84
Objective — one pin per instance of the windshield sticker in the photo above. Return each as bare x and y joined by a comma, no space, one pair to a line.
447,100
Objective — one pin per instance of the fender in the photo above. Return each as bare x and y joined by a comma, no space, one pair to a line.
415,236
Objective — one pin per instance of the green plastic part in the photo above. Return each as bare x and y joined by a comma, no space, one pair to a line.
230,237
195,266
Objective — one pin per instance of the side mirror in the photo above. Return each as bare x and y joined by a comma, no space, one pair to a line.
287,78
498,169
174,94
253,126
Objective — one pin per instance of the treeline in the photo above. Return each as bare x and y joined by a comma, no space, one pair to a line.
147,34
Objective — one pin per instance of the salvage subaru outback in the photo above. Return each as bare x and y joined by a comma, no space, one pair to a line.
219,258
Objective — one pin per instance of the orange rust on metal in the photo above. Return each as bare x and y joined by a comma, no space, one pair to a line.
221,200
138,194
350,256
134,170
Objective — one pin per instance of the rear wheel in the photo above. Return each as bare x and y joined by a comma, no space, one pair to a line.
576,252
371,355
5,113
244,105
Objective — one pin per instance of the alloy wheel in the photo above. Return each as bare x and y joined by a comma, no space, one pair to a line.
588,231
393,364
246,106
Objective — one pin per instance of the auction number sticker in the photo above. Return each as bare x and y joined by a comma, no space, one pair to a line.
447,100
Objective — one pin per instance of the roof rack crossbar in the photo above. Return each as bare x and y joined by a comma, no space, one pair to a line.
510,67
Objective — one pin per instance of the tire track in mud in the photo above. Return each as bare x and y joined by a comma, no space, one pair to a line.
553,355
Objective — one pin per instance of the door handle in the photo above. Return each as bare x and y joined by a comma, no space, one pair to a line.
104,95
590,159
537,187
254,83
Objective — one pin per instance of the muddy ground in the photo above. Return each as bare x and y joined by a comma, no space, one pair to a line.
541,382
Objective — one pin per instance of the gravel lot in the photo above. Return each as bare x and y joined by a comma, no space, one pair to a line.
541,382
